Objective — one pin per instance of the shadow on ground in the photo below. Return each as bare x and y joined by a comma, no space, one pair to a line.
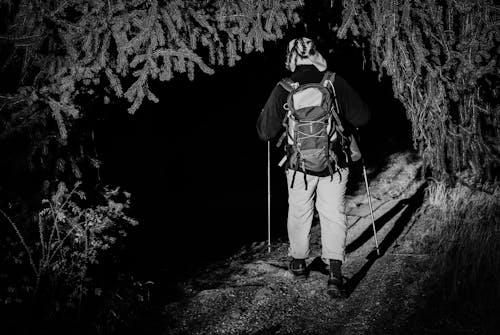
412,204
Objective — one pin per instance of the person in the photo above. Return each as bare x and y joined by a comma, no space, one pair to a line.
317,189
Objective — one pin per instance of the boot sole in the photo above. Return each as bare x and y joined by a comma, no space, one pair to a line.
299,274
335,291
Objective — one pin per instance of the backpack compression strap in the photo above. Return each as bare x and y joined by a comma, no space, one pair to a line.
289,85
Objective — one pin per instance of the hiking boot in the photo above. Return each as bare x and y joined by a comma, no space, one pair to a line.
335,288
335,285
298,267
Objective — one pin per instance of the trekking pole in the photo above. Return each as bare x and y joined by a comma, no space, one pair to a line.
371,208
269,196
369,199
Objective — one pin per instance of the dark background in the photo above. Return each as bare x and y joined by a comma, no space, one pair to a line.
197,169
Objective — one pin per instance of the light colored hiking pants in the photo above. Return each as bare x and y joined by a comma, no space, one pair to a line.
329,197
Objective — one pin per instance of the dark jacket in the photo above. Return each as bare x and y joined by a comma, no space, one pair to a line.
353,111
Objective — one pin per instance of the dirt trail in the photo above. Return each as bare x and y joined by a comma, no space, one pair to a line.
253,292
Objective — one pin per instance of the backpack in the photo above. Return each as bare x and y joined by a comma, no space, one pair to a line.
312,126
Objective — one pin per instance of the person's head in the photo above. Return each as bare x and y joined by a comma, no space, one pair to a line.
302,51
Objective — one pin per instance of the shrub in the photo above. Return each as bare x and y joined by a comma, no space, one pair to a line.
55,255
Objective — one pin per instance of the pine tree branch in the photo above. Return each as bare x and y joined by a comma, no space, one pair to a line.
437,54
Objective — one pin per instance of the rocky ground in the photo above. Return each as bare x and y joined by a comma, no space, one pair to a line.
252,292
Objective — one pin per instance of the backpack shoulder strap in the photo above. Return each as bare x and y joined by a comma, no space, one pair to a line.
332,77
328,76
287,84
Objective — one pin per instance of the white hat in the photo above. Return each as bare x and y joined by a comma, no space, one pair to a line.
302,51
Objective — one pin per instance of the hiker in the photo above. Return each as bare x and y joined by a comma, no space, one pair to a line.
307,186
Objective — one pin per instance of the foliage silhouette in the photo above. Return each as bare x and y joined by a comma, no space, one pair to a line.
442,58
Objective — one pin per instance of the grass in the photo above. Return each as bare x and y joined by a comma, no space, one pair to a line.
462,280
469,241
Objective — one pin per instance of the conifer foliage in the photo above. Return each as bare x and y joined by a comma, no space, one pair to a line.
58,50
442,57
